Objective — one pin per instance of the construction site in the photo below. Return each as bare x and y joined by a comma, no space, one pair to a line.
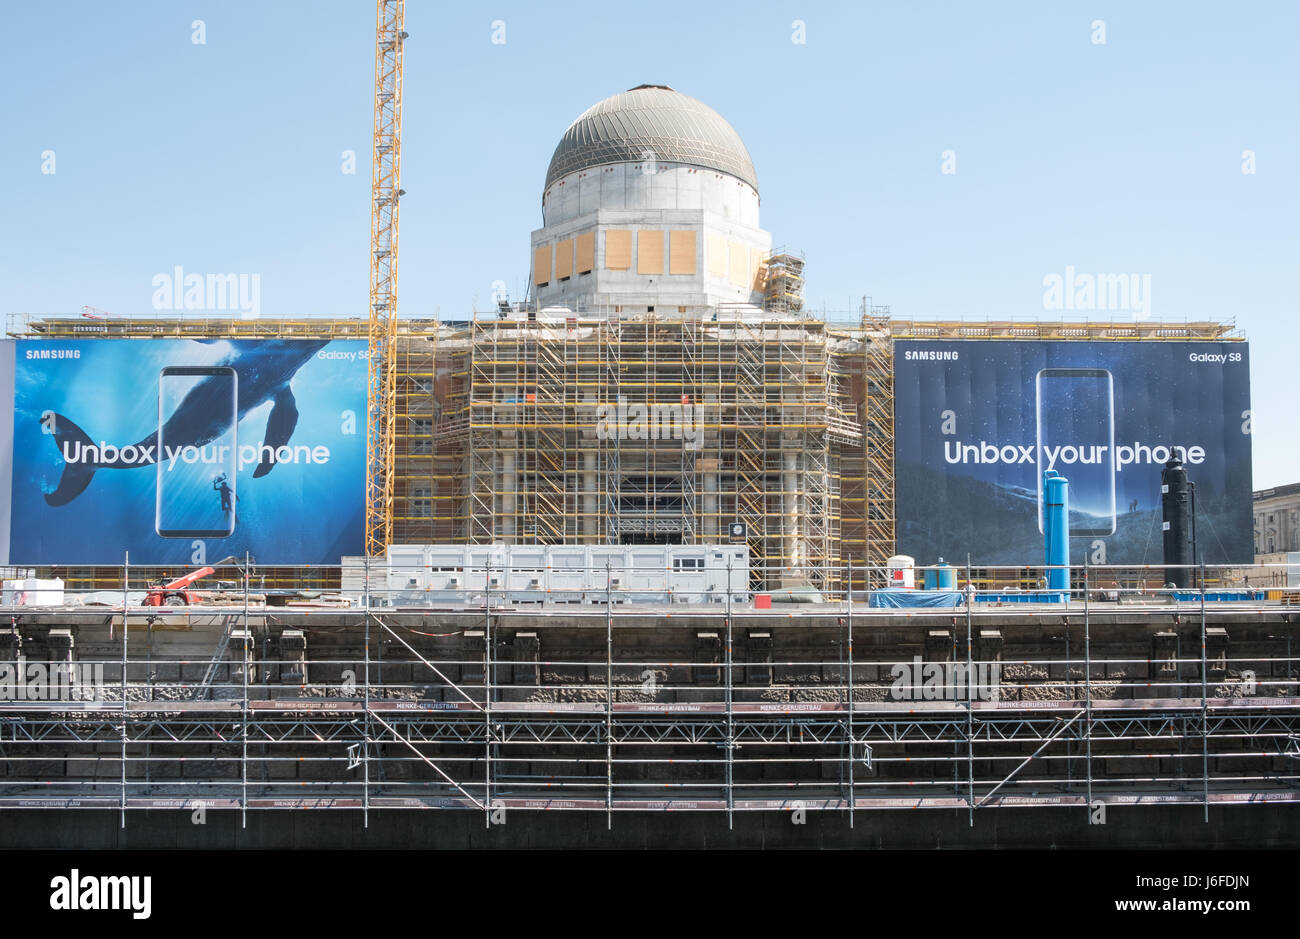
632,571
522,429
292,688
1159,711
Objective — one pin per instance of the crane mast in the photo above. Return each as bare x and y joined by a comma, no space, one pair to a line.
385,194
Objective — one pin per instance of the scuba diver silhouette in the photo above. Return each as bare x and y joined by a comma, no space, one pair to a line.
222,485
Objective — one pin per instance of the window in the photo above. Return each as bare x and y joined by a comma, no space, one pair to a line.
421,435
421,502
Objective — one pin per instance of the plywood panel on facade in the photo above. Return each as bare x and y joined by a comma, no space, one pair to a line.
717,256
649,251
586,252
681,252
618,249
542,265
564,259
738,268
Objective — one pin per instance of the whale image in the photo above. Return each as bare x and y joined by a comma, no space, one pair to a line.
263,371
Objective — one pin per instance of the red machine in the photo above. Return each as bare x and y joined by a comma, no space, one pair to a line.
174,591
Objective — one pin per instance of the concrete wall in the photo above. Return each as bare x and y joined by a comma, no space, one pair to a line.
645,186
1152,827
672,197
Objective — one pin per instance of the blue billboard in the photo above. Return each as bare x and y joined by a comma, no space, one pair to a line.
186,451
977,422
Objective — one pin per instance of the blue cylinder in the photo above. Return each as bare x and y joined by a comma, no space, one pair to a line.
1056,530
947,576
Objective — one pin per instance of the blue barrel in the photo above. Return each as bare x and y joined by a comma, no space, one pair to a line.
1056,530
947,576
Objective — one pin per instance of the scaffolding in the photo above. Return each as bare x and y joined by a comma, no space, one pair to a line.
597,711
783,282
1080,329
878,442
648,429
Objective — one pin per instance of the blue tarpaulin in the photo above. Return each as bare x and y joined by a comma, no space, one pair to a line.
900,597
1212,596
1027,596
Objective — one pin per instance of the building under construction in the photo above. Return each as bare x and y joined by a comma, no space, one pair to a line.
544,427
662,384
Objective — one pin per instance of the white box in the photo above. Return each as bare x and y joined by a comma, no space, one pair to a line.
33,592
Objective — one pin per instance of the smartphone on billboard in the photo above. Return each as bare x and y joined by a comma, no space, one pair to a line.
198,415
1076,437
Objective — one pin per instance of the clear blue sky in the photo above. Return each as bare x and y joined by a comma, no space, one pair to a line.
226,156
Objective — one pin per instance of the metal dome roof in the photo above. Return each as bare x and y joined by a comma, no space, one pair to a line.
674,127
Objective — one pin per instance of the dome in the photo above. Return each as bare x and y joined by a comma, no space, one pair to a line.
674,127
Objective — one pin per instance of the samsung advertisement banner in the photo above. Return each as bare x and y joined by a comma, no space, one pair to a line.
187,451
6,441
978,422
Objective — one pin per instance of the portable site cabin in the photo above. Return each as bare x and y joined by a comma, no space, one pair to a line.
449,575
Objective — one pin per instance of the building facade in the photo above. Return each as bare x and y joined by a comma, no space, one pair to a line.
1277,519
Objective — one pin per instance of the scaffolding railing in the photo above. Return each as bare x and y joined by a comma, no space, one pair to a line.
499,709
783,280
594,431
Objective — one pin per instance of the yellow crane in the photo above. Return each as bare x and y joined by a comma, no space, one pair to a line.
385,196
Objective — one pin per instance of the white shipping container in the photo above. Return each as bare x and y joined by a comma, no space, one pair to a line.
517,575
33,591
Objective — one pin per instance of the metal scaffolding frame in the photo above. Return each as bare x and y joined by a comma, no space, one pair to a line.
782,279
381,708
586,430
878,443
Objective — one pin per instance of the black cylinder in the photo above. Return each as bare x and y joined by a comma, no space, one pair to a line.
1175,504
